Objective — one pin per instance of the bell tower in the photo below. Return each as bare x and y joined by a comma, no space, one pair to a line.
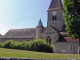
55,14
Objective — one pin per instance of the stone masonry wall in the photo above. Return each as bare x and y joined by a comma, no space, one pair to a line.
16,39
67,47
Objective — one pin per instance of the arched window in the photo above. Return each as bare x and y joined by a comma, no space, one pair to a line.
53,18
48,39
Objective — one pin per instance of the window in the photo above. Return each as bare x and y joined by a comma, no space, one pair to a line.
63,13
48,39
71,47
54,18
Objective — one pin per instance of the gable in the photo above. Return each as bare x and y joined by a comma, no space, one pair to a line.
49,29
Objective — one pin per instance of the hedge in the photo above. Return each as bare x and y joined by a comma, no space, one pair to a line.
35,45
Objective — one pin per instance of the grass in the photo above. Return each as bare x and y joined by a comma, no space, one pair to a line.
31,54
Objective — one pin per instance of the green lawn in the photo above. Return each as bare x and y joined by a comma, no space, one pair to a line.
32,54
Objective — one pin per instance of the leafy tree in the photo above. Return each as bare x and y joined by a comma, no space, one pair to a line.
72,18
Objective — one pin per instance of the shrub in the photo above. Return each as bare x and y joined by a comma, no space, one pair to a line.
8,43
1,45
35,45
22,45
39,45
11,44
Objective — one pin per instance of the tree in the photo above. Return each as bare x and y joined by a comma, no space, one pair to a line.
71,10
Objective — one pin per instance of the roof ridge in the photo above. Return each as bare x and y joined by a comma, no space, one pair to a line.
22,29
21,33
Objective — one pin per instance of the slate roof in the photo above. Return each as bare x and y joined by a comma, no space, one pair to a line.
40,23
55,4
21,33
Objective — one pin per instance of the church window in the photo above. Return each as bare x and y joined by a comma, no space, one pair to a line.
53,18
48,40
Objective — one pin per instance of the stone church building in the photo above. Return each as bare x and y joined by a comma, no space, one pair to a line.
54,33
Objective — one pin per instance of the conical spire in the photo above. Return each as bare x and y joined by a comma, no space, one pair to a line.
55,4
40,23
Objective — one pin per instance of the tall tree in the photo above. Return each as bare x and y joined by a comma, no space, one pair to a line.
72,18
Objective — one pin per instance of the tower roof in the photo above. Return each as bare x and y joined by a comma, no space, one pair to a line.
40,23
55,4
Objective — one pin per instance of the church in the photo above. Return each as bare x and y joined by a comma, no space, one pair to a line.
54,34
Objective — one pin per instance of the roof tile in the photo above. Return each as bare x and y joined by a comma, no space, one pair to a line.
68,39
55,4
21,33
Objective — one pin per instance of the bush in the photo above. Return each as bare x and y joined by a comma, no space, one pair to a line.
1,45
35,45
10,44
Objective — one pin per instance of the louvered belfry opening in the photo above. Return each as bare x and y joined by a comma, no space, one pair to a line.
54,17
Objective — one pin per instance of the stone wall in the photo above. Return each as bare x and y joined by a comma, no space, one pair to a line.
9,58
39,29
49,31
59,22
59,14
2,40
66,47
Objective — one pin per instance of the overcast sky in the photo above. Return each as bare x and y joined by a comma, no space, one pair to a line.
17,14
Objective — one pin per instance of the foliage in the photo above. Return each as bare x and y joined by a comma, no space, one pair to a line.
1,45
72,17
39,45
35,45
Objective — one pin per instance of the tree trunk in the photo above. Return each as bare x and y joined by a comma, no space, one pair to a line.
79,47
